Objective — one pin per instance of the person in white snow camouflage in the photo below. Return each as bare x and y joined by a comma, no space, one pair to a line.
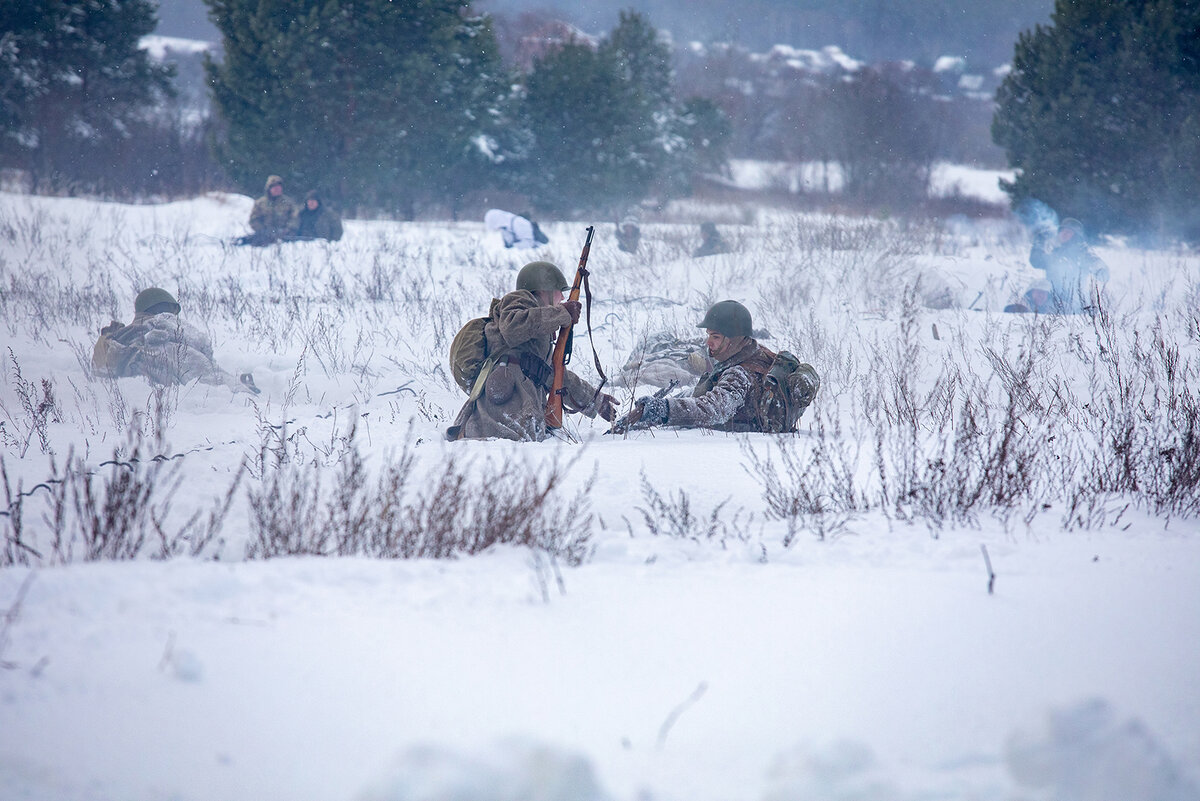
728,396
516,230
161,347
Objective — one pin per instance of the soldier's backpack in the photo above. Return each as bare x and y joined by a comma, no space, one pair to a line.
468,352
788,387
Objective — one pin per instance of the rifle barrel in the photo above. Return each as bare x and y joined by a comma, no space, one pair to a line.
554,403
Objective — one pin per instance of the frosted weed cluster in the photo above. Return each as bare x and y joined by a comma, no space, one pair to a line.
931,411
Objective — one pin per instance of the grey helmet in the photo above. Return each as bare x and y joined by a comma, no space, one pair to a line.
541,275
155,301
729,318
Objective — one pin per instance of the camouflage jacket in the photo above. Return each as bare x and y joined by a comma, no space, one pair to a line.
523,331
274,217
726,398
161,347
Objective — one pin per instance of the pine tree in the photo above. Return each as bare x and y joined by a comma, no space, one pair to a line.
377,103
1101,115
604,126
72,81
580,115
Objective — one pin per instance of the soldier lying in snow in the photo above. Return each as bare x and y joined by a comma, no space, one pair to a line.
161,347
749,389
662,358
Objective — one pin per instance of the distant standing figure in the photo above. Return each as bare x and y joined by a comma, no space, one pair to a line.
517,231
628,235
273,217
161,347
1073,271
711,242
318,221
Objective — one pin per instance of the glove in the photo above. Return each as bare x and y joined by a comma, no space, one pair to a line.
606,407
654,410
573,308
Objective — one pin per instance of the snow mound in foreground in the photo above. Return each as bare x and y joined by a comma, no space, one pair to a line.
1085,753
513,770
844,771
1079,753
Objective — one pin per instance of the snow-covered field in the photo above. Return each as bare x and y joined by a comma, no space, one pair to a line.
945,180
718,618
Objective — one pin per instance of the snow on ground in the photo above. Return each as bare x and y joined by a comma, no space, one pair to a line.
160,46
871,665
947,179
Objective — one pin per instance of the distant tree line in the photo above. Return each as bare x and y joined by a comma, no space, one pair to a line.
404,106
419,107
884,126
875,30
82,108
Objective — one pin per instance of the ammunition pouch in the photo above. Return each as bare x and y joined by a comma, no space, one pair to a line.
536,370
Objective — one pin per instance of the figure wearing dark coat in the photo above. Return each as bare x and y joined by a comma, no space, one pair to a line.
319,223
711,242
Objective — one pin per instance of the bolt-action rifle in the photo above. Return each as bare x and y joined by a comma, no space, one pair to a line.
554,403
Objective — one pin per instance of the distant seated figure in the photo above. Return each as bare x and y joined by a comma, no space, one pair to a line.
161,347
711,242
317,221
273,217
518,231
628,235
1073,272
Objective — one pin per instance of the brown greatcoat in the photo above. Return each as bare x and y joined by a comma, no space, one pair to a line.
523,330
727,398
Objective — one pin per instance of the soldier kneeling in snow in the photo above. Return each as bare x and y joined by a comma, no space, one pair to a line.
506,373
1074,274
161,347
749,389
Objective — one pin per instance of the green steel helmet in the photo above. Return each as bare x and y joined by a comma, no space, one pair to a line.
729,318
541,275
149,299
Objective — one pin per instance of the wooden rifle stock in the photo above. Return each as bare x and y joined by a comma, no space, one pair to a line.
554,403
